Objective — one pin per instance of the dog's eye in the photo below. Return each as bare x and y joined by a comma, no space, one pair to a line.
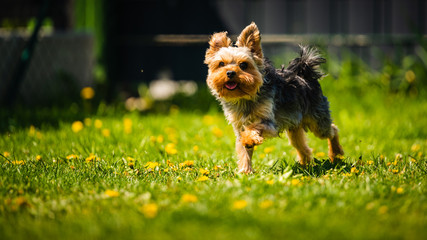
243,65
221,64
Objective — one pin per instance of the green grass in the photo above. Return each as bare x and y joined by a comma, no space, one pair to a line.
378,192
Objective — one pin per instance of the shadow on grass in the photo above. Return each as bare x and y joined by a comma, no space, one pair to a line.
315,169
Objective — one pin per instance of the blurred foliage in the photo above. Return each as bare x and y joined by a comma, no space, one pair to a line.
406,75
89,17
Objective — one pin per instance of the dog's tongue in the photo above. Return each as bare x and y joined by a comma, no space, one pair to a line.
230,85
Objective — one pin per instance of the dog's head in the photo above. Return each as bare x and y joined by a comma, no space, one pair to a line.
235,72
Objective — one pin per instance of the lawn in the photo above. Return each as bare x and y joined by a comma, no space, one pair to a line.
107,173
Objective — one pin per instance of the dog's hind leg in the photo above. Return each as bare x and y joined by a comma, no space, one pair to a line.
298,140
328,130
335,149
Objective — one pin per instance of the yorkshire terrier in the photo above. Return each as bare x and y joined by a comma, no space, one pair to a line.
262,102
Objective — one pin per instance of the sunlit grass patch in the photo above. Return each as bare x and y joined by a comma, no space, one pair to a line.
169,175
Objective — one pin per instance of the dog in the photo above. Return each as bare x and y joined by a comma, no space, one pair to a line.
262,102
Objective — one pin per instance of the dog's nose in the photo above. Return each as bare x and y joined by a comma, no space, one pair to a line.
231,74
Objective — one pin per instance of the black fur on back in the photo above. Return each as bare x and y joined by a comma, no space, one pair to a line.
296,90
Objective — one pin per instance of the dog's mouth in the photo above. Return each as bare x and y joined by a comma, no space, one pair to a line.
231,85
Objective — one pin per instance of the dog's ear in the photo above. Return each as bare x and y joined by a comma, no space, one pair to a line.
217,41
251,38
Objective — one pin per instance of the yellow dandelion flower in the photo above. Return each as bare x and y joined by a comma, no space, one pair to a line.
399,190
370,162
32,130
383,210
189,198
77,126
186,164
38,157
370,206
149,210
320,155
127,123
208,120
295,182
203,171
262,155
202,179
395,171
354,170
410,76
239,204
171,149
266,204
151,165
98,123
179,179
71,156
160,139
6,154
270,182
91,158
195,148
217,132
415,147
268,150
18,162
87,122
216,168
169,163
111,193
87,93
106,132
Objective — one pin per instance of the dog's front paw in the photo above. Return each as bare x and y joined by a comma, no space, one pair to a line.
246,170
250,138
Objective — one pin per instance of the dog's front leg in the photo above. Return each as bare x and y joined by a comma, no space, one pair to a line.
244,155
255,133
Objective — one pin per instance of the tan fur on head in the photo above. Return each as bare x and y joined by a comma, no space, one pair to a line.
221,58
217,41
249,80
251,38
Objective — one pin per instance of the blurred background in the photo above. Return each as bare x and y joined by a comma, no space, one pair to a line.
142,51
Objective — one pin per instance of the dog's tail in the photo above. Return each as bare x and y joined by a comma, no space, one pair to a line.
306,66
